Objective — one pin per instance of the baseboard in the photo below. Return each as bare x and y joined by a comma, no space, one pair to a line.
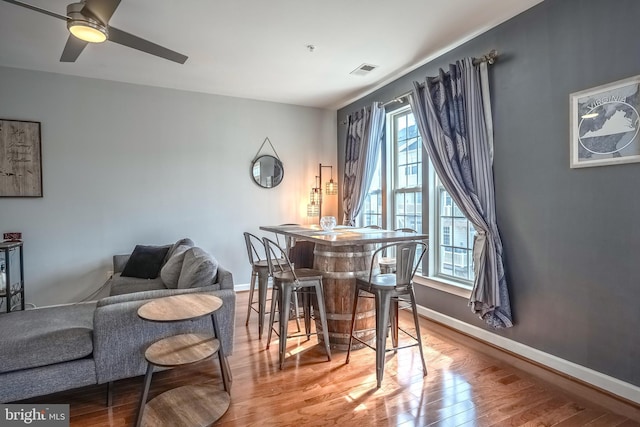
241,287
583,374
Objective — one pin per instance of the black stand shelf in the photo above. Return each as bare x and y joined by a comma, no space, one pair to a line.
13,293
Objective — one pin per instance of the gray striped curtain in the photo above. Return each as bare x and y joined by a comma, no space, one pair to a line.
454,119
365,130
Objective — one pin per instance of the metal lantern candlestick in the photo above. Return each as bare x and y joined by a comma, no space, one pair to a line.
314,208
315,200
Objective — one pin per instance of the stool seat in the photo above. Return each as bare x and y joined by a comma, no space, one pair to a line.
261,264
385,280
301,273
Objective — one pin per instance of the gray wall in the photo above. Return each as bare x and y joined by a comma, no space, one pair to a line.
571,236
126,164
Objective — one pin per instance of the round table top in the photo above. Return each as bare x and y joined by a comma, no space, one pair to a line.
189,405
179,307
178,350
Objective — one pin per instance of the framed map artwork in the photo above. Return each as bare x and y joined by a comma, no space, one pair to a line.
605,124
20,159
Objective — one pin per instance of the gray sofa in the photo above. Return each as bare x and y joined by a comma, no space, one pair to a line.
57,348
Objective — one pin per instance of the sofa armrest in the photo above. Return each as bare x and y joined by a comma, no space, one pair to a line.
224,278
119,261
121,337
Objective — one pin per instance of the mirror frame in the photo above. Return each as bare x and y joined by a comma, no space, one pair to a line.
277,161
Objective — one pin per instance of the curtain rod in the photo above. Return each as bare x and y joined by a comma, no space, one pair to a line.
489,58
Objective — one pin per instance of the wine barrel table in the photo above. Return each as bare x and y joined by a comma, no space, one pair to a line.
342,254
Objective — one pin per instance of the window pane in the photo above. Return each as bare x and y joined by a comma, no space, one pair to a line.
457,211
455,239
461,233
446,261
446,204
401,177
371,213
472,235
445,231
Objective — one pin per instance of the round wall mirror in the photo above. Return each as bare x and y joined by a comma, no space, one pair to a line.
267,171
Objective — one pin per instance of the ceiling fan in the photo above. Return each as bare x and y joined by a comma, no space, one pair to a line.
88,22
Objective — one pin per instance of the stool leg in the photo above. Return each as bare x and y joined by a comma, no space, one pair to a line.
383,306
252,287
296,310
394,323
306,311
353,321
263,284
323,317
417,322
285,296
274,301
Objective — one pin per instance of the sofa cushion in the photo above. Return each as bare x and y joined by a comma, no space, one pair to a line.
126,285
146,261
198,269
170,272
182,242
45,336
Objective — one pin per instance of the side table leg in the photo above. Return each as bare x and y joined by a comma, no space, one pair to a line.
222,358
145,393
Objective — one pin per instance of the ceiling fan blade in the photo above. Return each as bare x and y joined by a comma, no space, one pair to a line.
37,9
101,9
72,49
135,42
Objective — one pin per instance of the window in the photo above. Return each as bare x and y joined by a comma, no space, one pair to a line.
395,200
406,184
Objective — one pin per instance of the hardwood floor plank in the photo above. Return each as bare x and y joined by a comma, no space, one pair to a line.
581,418
464,387
607,420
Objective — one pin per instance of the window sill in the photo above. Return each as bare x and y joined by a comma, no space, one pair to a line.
443,285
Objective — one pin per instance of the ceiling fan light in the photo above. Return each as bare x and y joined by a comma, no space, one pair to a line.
87,31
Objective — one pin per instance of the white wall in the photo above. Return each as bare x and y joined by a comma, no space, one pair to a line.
128,164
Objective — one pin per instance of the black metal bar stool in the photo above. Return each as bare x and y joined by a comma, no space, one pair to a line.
286,281
259,276
384,288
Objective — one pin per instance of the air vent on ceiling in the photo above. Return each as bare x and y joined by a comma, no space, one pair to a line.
363,70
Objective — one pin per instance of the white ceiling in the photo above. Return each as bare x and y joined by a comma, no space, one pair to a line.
257,49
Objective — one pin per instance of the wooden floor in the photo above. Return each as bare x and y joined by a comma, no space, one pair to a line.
464,387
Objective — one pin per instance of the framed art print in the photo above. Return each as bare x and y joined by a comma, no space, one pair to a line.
605,123
20,159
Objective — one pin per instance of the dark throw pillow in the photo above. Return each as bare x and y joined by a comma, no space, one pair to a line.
145,262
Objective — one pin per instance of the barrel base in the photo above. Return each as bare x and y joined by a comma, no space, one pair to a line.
340,267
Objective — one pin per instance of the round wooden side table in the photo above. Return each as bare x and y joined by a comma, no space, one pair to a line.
190,405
